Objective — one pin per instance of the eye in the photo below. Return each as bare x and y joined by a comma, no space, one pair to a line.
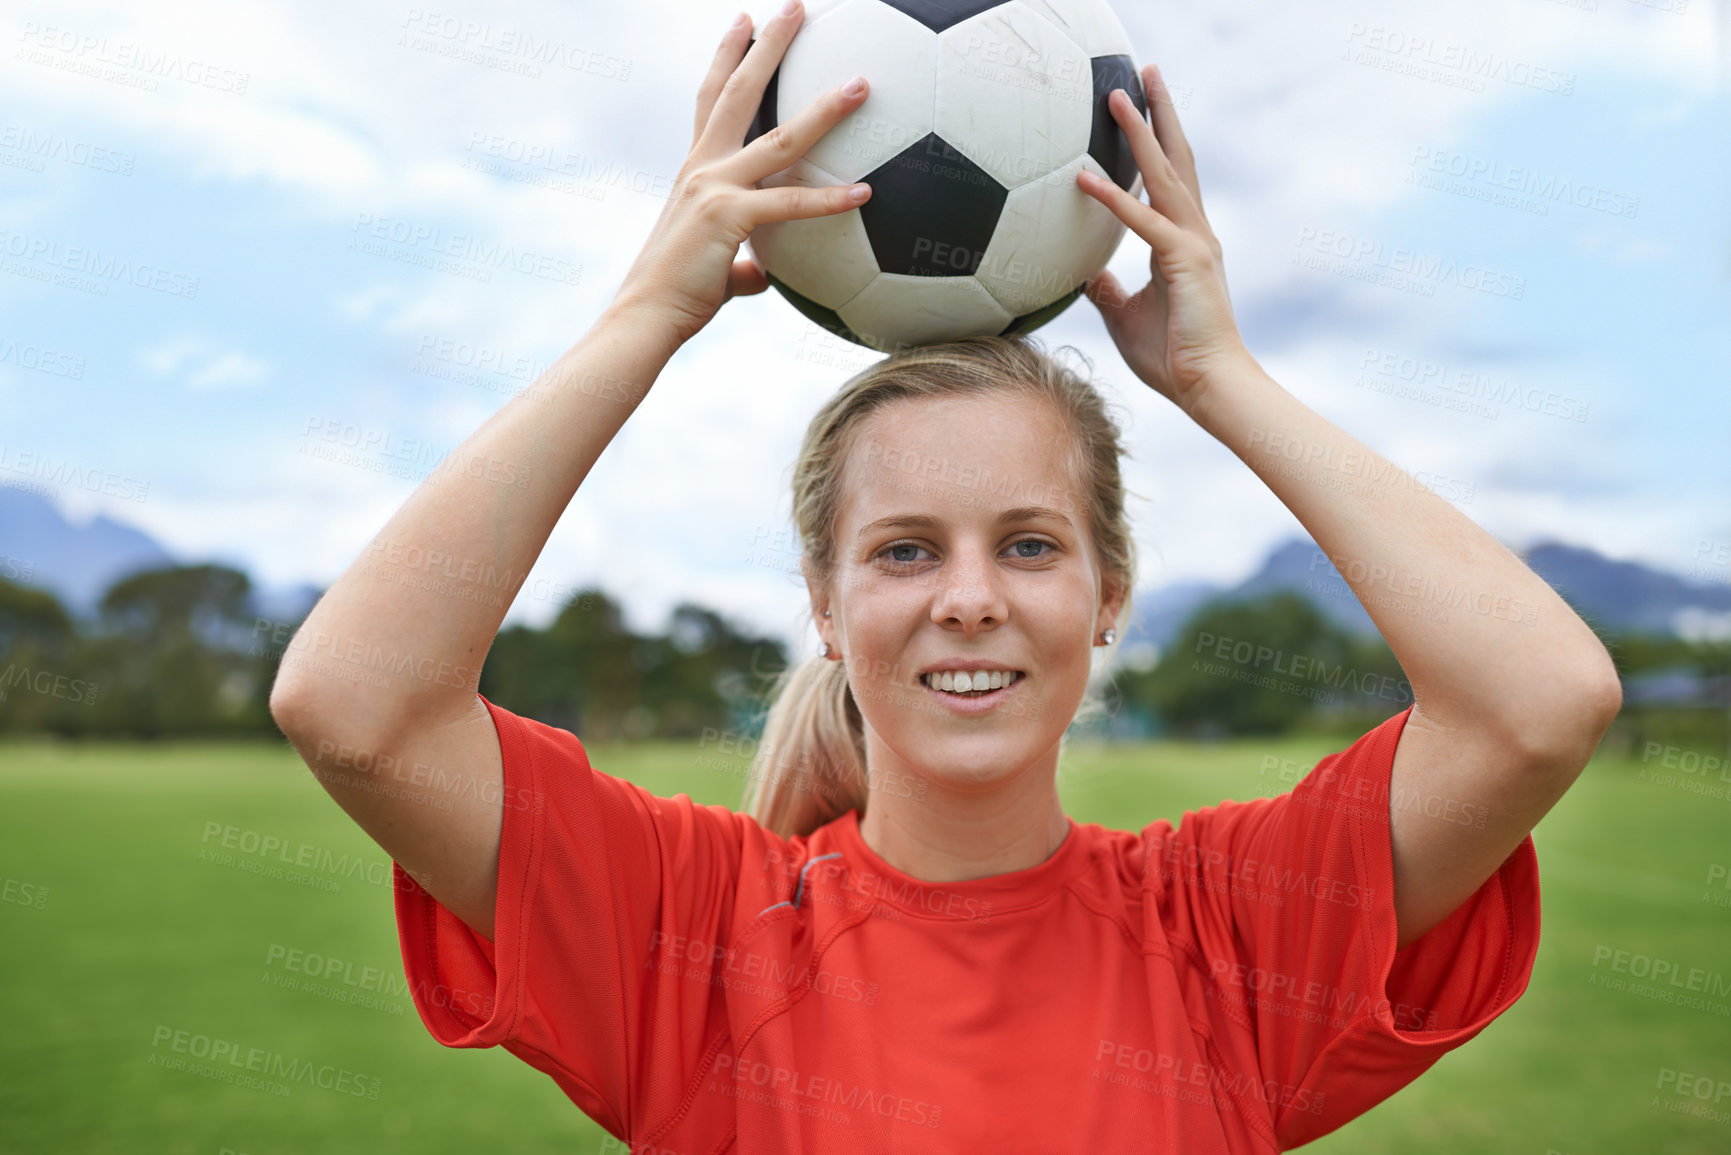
895,553
904,552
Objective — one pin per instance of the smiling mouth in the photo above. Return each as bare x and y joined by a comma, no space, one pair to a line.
975,685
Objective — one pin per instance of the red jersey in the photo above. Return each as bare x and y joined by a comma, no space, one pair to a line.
698,985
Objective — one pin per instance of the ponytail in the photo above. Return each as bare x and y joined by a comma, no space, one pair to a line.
809,768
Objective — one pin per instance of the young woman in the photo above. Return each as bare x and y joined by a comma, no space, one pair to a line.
906,945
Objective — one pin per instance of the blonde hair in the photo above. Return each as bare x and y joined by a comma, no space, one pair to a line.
810,765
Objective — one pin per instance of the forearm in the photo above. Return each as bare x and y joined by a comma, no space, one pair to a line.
1482,639
403,632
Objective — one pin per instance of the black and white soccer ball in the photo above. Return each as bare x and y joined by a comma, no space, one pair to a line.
979,116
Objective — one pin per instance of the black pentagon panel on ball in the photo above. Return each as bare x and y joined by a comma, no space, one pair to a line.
1028,322
765,118
941,14
1107,143
932,211
817,313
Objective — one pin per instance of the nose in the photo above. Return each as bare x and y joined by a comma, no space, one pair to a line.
970,593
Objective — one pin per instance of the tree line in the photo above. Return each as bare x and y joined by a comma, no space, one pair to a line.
182,651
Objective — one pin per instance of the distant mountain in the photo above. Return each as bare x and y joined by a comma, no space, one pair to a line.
1300,566
1624,595
1157,613
1296,565
1619,595
39,547
77,563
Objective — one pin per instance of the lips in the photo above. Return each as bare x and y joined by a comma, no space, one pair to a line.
972,703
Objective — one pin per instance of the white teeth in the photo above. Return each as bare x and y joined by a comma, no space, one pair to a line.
964,682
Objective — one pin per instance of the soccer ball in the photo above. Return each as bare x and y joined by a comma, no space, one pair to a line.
979,116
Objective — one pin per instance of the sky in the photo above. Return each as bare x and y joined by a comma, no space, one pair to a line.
245,160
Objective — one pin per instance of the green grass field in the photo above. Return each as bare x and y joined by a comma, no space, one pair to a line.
116,924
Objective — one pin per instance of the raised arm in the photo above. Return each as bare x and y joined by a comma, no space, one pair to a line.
1512,691
377,688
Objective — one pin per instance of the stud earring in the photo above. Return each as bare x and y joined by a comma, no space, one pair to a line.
1108,637
824,652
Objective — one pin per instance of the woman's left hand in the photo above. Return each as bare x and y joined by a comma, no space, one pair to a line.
1179,329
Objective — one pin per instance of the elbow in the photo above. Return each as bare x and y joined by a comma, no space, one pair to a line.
298,708
1609,699
286,704
1599,692
1580,708
318,718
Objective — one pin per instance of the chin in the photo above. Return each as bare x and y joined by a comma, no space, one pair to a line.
973,762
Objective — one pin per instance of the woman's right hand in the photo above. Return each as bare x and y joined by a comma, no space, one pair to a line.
687,269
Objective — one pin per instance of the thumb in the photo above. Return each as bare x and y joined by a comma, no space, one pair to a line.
745,279
1107,294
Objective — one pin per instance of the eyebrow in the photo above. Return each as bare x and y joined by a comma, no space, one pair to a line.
925,521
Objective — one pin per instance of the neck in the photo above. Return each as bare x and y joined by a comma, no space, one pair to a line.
950,835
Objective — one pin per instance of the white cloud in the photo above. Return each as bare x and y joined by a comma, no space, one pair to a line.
1695,624
201,365
342,118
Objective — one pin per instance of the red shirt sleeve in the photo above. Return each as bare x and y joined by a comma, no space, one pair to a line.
1289,904
610,902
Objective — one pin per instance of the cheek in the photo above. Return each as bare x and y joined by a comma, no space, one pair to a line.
876,652
1060,615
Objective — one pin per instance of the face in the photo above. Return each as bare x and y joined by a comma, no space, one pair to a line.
962,544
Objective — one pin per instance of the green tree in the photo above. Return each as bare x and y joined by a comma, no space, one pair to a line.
578,674
1256,666
168,656
589,673
38,683
32,617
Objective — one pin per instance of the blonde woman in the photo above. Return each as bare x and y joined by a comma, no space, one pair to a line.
903,943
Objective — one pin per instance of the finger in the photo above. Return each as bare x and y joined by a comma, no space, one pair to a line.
728,54
1166,192
1143,219
800,202
786,143
742,91
1169,133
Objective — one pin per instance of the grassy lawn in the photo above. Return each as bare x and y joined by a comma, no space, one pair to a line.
118,924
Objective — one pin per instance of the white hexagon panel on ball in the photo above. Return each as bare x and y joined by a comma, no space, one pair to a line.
896,311
1051,238
827,258
893,51
1014,93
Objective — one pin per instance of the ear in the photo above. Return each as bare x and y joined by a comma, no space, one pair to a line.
1111,605
821,610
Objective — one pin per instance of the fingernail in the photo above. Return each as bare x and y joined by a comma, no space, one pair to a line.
858,192
790,7
854,87
739,22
